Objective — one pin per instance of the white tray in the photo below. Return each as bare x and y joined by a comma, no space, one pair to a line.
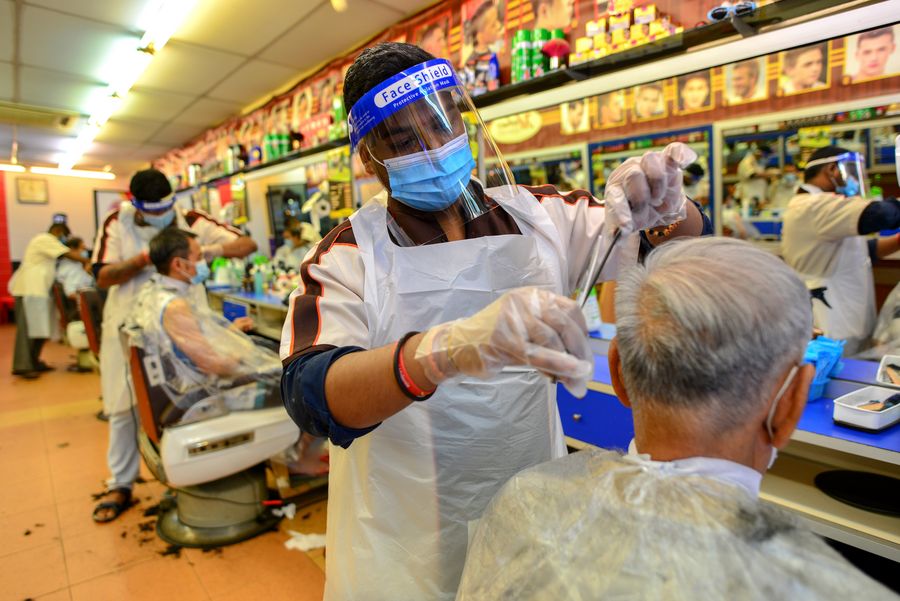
881,377
846,409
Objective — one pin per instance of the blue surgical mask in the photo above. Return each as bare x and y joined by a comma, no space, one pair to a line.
86,254
789,178
850,188
161,221
432,180
202,272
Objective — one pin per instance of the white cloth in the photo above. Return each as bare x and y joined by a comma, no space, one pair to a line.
33,280
730,472
72,276
403,495
290,256
750,184
599,525
781,193
119,240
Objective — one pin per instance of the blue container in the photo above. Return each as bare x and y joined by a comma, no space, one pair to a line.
825,354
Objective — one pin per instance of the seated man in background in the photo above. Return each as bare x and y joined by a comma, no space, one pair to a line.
298,240
711,336
73,275
211,366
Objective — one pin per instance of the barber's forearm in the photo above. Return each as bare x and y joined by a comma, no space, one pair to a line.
239,248
692,225
121,272
361,388
77,256
887,246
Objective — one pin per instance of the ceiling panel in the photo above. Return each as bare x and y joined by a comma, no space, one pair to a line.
110,152
188,69
148,152
76,46
125,13
208,112
152,105
51,89
37,139
120,130
321,36
6,81
252,81
38,157
234,26
6,30
176,134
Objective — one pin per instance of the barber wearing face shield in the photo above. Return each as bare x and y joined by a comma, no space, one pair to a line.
423,331
823,240
122,264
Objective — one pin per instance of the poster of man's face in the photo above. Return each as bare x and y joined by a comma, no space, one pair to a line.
484,28
694,92
872,55
433,37
803,70
575,117
649,101
612,109
326,94
553,14
746,81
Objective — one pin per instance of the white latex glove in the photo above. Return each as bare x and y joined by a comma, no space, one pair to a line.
524,327
211,251
645,192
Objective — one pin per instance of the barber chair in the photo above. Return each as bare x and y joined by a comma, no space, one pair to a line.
73,330
214,467
90,306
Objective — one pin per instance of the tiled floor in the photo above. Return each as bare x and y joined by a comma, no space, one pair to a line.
52,459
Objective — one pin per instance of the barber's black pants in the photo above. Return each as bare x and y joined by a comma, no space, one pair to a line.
28,350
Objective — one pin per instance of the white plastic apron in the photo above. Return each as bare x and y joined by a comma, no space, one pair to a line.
850,290
134,240
402,497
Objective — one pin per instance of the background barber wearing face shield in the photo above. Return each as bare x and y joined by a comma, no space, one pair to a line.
122,264
423,330
823,241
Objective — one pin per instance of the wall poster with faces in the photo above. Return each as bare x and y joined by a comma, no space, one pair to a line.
745,81
805,69
575,117
871,55
484,30
433,36
694,92
649,101
612,109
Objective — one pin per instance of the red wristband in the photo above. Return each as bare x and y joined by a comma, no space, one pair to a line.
407,385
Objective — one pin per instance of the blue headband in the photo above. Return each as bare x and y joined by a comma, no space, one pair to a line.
396,93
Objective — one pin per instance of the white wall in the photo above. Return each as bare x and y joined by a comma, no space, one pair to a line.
71,195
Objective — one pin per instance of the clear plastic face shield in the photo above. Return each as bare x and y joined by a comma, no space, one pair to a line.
420,134
851,180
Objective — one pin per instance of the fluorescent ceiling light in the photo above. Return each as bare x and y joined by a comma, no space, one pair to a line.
13,168
160,20
73,173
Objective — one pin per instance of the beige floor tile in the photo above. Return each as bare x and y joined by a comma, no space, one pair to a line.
31,528
260,560
60,595
109,548
160,579
32,573
25,495
19,467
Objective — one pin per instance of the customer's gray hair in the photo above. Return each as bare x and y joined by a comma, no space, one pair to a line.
709,324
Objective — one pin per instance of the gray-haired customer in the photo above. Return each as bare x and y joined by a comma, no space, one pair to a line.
711,335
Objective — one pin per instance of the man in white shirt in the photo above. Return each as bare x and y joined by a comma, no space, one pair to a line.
711,334
72,274
30,285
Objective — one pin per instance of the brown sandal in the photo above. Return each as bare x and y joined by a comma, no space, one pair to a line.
117,507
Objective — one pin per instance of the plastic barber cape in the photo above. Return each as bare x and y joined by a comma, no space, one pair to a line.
248,374
403,496
599,525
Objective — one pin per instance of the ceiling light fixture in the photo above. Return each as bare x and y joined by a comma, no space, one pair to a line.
339,5
72,173
13,168
160,20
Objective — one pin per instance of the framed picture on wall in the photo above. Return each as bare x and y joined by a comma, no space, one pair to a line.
871,55
803,70
31,190
649,101
694,93
105,201
746,81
